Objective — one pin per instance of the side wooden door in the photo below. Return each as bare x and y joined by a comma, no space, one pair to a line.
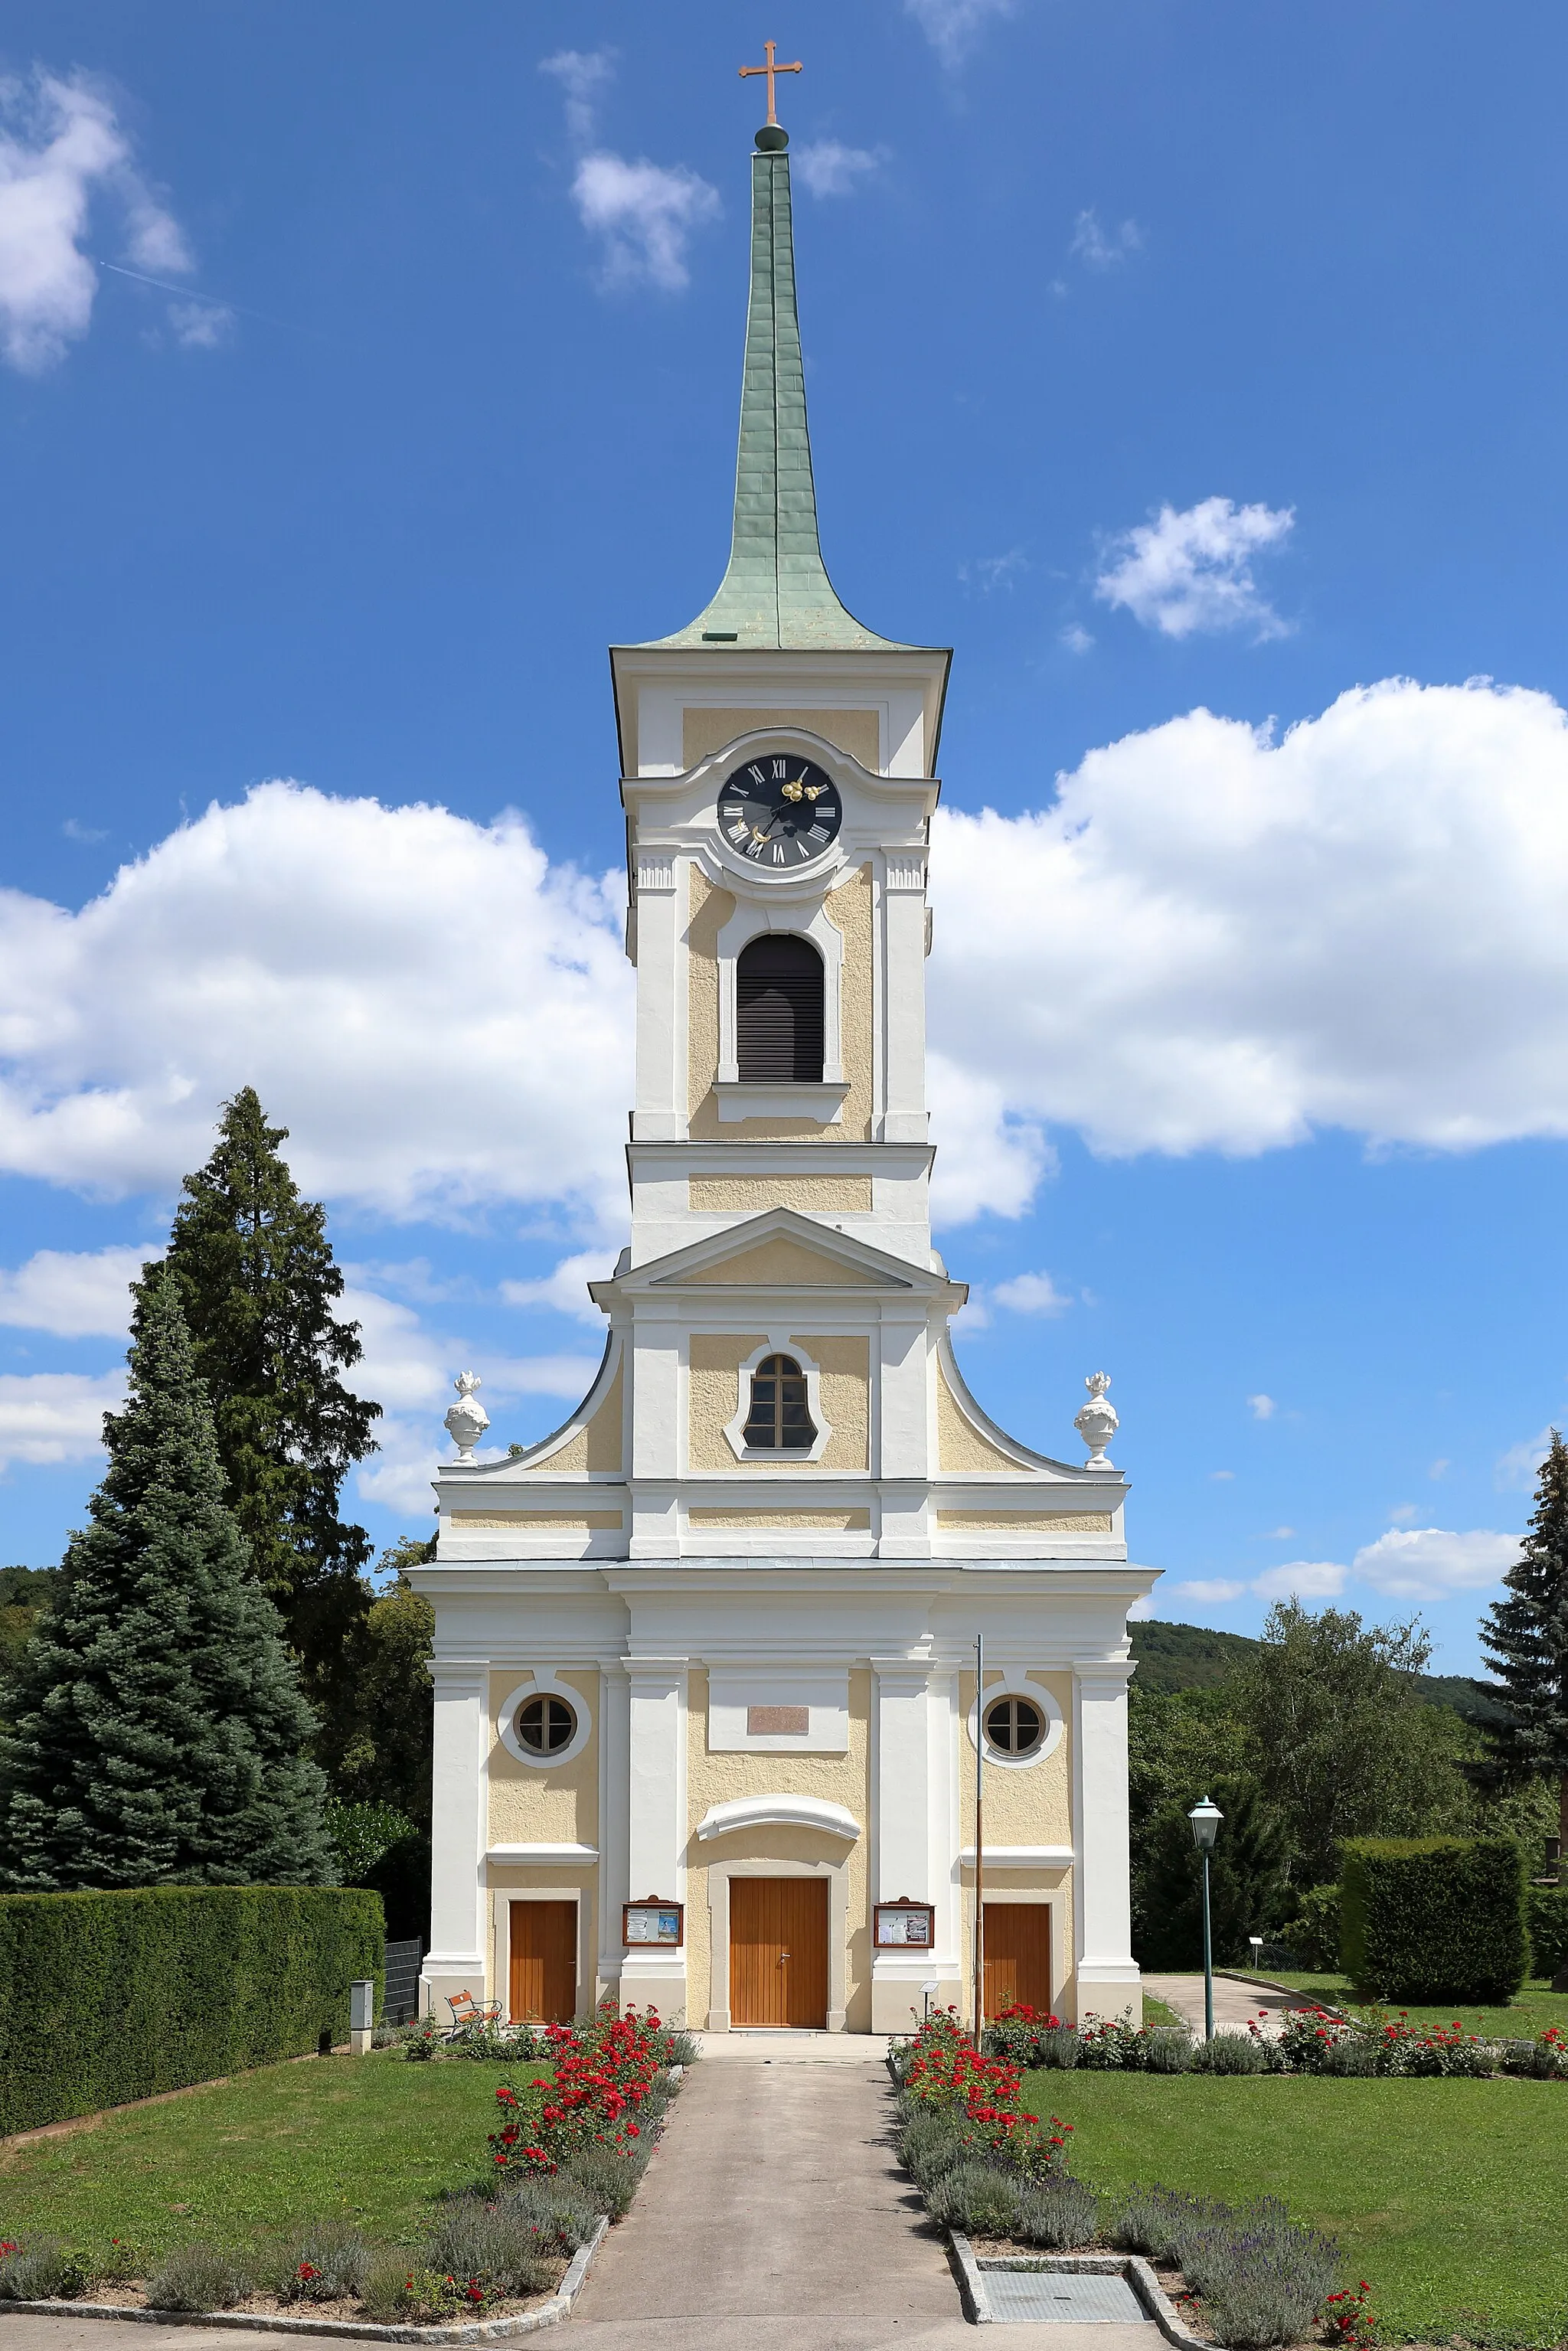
1016,1956
544,1962
778,1951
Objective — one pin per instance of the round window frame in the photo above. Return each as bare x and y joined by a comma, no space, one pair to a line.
544,1683
1014,1683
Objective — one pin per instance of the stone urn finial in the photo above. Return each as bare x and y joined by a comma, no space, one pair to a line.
1097,1422
467,1419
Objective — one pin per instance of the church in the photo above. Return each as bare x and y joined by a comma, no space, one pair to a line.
708,1717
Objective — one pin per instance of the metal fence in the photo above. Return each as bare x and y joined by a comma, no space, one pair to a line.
401,2004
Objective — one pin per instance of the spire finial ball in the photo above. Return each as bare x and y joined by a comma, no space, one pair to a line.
772,139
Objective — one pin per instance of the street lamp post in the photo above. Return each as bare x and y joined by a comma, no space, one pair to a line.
1206,1818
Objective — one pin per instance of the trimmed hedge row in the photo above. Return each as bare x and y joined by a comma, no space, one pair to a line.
1434,1919
1548,1915
109,1997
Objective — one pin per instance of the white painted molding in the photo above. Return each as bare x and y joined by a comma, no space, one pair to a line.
1022,1856
777,1344
738,1099
778,1812
513,1854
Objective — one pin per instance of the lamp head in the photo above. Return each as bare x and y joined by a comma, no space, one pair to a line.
1206,1818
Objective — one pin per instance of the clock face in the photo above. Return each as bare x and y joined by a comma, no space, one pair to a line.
779,811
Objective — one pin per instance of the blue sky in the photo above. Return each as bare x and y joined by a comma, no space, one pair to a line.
1161,358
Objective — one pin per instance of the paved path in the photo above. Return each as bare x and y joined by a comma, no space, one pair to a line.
774,2218
1236,2004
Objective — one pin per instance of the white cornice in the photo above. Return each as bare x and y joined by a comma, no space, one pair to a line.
778,1812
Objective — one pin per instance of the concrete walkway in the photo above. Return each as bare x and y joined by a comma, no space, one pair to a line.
774,2216
1236,2004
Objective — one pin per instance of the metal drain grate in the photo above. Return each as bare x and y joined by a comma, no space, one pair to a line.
1070,2298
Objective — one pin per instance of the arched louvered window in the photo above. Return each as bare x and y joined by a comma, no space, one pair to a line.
778,1420
778,1012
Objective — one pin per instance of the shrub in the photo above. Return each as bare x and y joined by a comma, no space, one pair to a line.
493,2245
1548,1919
605,2075
1263,2279
976,2198
930,2144
1057,2213
109,1997
1435,1919
1230,2053
397,2291
1150,2219
1168,2050
1027,2037
606,2178
197,2277
1112,2043
1313,1933
326,2264
558,2213
43,2271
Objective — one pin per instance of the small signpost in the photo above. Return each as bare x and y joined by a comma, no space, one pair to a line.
653,1921
905,1924
361,2016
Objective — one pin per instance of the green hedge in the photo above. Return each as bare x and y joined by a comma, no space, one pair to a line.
1548,1915
1434,1919
110,1997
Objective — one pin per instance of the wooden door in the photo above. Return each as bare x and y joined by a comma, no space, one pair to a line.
1016,1956
778,1951
544,1962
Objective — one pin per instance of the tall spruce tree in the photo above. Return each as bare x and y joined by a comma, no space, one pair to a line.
257,1282
158,1723
1526,1640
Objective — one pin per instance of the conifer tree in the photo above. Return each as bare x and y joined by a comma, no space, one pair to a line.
158,1723
257,1282
1526,1640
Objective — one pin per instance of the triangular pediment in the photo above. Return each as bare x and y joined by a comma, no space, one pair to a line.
780,1249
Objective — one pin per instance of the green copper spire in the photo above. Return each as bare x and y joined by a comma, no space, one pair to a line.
776,591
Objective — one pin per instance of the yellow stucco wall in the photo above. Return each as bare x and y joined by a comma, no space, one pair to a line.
716,1778
821,1196
786,1521
714,1390
783,1264
558,1805
1032,1806
1029,1522
959,1444
581,1522
849,907
855,731
707,911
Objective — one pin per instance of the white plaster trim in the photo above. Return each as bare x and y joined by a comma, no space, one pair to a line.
751,921
777,1343
1014,1682
823,1104
510,1856
544,1682
778,1812
1022,1856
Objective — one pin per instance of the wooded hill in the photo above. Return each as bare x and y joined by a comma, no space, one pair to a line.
1192,1656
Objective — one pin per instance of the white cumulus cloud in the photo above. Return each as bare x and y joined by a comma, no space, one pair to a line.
1207,1591
1190,572
1217,941
439,1017
829,168
582,74
1031,1293
643,216
1300,1579
52,1416
1099,249
62,150
1262,1408
74,1293
1429,1563
565,1288
952,26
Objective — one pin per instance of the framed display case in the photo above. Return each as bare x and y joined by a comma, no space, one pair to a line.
904,1925
642,1923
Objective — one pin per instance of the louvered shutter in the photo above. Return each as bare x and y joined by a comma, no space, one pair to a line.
778,1012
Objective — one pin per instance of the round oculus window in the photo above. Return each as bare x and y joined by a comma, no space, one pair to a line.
1014,1725
545,1725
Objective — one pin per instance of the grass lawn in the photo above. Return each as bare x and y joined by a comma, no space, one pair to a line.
1156,2013
1450,2197
1536,2007
369,2140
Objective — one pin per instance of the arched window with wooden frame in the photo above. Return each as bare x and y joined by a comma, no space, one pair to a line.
778,1015
779,1419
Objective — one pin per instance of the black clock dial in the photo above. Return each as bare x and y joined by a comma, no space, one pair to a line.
779,811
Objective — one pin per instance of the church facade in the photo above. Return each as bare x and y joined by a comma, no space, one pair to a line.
706,1709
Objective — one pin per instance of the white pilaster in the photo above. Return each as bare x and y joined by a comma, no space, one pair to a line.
661,1113
911,1839
460,1795
656,1824
1107,1974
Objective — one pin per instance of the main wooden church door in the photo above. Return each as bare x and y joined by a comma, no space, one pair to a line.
778,1951
1016,1956
544,1962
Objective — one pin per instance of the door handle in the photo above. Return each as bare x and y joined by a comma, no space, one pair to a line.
782,1957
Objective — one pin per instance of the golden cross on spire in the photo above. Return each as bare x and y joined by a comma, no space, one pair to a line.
770,69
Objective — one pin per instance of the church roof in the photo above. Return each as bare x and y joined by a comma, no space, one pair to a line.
776,592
